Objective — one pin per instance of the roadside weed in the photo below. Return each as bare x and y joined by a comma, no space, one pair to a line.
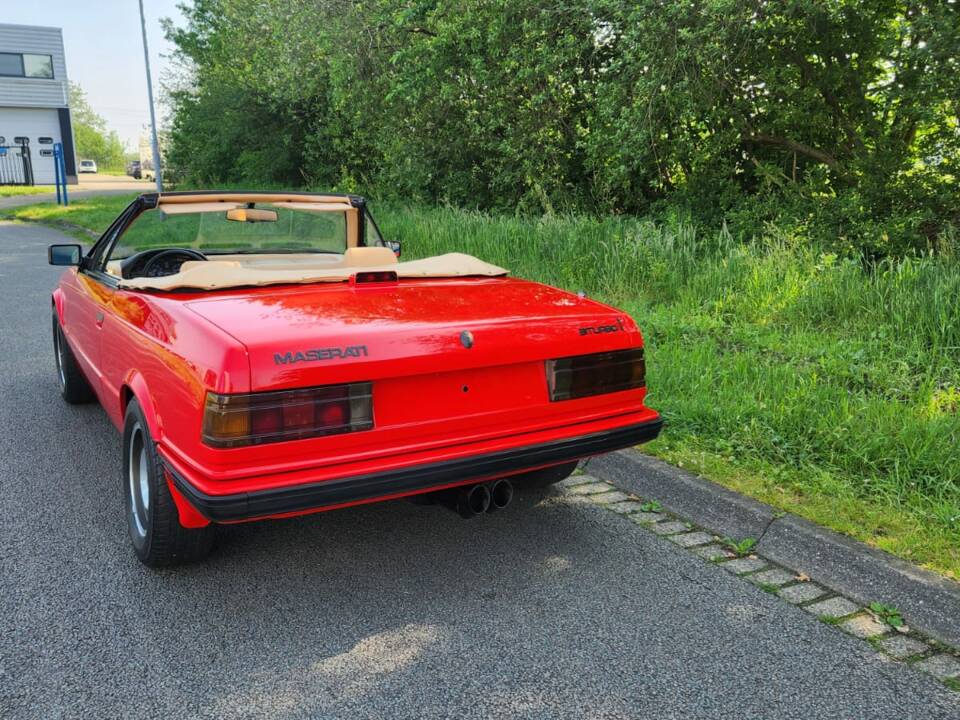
890,615
828,620
740,548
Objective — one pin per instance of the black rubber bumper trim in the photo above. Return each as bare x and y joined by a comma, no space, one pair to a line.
249,505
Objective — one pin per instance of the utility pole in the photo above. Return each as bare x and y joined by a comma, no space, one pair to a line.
153,117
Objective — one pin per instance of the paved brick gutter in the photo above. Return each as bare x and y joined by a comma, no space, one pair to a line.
931,603
889,636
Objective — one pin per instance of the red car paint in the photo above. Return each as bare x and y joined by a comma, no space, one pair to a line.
435,399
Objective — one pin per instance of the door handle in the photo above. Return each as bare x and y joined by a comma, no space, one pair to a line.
99,318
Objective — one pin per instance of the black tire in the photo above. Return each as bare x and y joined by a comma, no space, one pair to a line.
73,385
545,477
153,522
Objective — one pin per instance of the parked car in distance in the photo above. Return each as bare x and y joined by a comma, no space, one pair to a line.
267,355
133,169
87,166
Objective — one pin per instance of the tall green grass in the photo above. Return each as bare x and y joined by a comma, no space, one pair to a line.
834,379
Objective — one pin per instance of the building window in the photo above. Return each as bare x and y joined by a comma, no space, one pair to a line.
11,64
38,66
26,65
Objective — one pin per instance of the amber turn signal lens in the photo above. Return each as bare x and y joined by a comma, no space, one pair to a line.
596,374
251,419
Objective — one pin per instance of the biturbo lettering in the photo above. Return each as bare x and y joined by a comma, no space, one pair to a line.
601,329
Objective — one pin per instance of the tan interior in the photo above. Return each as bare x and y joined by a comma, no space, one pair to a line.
369,257
360,257
225,271
200,207
282,260
245,270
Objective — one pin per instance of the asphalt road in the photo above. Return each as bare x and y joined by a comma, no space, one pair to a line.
87,186
550,609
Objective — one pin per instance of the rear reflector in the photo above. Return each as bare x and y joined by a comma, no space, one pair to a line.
238,420
584,375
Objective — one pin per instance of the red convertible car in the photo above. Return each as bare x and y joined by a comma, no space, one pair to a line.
267,355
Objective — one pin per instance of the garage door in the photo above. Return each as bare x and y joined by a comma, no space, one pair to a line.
42,128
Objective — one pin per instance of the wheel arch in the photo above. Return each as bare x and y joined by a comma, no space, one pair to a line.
135,387
56,302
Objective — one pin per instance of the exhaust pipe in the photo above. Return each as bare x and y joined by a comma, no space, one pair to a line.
469,501
501,493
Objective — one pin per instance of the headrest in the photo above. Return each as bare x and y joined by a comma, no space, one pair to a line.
368,257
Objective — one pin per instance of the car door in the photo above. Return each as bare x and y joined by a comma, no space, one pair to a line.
86,302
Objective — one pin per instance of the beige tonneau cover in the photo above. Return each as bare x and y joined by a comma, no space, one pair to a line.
272,269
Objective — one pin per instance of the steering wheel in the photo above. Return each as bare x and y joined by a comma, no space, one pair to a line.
169,254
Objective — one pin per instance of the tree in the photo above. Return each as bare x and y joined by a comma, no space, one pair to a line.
841,116
93,140
852,94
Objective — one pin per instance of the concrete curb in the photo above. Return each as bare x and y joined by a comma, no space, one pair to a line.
931,603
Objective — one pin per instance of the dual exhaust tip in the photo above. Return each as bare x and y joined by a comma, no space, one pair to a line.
473,500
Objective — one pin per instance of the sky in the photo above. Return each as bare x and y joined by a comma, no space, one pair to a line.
104,51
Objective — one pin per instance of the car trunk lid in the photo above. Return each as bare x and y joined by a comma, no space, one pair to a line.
450,361
333,333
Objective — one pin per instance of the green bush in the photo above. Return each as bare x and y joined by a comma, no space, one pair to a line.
836,120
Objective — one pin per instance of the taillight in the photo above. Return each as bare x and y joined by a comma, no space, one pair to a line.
584,375
250,419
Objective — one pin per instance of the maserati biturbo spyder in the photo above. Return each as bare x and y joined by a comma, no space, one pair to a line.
267,355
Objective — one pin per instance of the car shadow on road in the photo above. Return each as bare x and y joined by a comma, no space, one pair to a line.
364,598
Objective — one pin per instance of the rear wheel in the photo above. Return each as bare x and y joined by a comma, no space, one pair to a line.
157,536
545,477
73,385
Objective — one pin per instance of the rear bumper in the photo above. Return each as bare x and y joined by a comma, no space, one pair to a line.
407,480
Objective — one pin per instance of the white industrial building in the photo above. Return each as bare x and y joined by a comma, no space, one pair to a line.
34,104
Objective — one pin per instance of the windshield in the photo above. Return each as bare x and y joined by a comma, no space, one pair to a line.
252,229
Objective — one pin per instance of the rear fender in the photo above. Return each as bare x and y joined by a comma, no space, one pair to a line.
135,387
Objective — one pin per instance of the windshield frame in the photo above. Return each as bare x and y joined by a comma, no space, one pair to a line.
96,259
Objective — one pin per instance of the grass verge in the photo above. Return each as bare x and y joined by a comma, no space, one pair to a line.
94,214
822,385
15,190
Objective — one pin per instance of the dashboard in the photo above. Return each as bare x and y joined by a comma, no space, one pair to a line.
157,263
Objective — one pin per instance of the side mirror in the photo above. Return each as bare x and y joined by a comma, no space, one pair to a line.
68,255
393,245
